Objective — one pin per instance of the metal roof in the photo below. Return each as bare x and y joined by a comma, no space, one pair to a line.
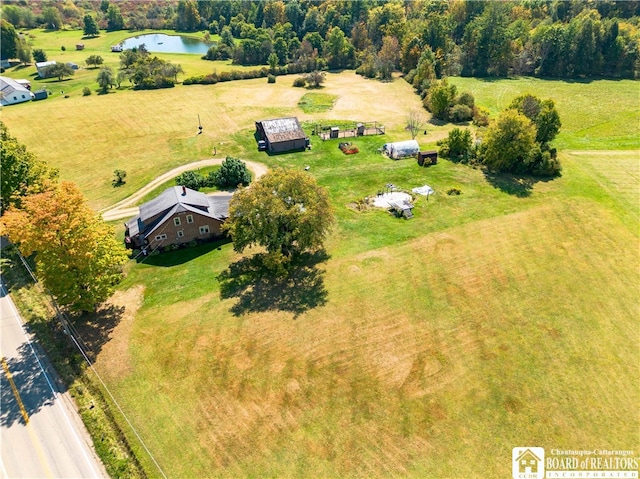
282,129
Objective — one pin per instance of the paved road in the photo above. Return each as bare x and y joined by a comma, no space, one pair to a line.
53,443
126,208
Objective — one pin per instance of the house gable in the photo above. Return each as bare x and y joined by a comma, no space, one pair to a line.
177,216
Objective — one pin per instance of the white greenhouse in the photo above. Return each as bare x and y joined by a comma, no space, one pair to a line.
401,149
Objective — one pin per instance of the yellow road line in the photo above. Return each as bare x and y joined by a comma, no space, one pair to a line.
34,439
15,391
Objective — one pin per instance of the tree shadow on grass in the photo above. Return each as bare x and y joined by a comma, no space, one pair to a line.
94,329
513,184
259,290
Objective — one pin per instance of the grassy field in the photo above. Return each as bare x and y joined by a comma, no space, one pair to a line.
503,317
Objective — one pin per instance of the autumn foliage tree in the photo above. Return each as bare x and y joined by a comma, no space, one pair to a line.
286,212
21,173
78,258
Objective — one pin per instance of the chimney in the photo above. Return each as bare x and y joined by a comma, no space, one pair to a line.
184,191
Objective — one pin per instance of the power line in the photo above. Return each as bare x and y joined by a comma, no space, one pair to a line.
70,330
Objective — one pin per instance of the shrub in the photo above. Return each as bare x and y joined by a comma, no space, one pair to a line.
466,98
300,82
119,176
86,91
190,179
454,191
232,172
480,116
271,79
460,113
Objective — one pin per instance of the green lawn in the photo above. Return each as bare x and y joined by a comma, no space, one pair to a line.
503,317
316,102
595,114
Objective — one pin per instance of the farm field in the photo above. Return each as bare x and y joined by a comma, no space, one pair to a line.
503,317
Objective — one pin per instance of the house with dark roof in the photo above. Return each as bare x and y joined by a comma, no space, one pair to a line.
281,134
177,216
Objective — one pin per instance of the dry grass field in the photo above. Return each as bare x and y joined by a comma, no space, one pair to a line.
504,317
149,132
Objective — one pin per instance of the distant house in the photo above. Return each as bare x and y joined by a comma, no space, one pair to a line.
79,46
12,92
401,149
42,68
178,216
116,48
281,134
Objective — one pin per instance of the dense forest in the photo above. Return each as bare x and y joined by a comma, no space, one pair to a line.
421,38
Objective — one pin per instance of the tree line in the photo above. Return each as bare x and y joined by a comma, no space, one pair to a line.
547,38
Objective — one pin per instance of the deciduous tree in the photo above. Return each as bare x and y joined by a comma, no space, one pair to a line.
8,40
106,79
285,211
60,70
21,173
415,122
78,258
508,142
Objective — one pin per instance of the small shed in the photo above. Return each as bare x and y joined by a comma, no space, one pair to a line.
401,149
426,158
281,135
40,95
79,46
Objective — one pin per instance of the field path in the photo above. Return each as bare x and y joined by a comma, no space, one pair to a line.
126,208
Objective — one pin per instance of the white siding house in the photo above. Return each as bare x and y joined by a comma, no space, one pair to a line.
11,92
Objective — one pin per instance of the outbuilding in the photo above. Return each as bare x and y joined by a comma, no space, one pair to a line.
42,68
401,149
281,134
12,92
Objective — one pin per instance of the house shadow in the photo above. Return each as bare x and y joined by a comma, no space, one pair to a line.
257,289
514,184
183,255
30,383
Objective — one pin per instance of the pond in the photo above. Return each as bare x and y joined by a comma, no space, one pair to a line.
162,43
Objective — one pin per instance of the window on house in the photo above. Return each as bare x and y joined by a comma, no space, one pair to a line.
180,233
204,229
176,221
189,218
161,237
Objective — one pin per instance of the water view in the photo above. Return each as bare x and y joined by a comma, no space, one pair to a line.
162,43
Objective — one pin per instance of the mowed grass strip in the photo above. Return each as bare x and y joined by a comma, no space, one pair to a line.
471,339
316,102
589,119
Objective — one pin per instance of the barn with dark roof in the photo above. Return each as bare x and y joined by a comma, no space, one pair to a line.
281,134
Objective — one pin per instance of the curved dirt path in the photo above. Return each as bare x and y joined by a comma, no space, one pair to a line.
124,208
